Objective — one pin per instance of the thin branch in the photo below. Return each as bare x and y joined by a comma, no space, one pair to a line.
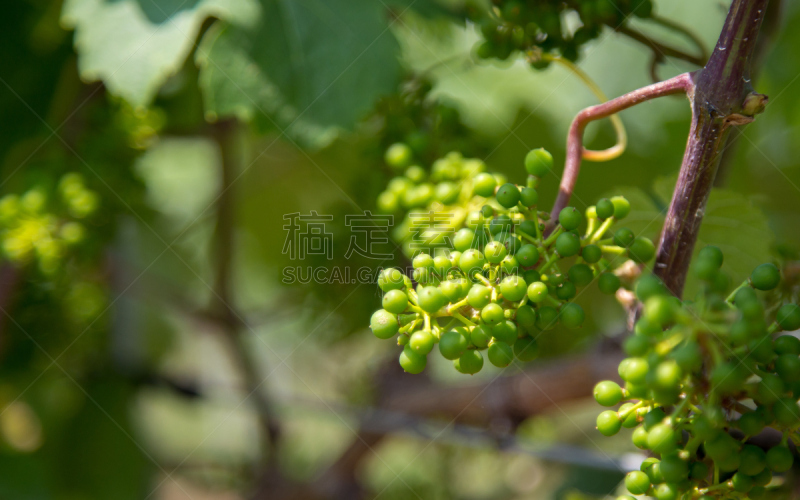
680,84
661,48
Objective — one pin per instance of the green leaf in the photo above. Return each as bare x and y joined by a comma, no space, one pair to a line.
308,67
731,221
134,46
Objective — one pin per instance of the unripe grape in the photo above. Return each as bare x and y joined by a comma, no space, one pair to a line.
526,317
505,331
566,291
512,243
636,345
649,286
469,363
390,279
711,254
608,283
452,345
660,310
415,173
639,438
754,460
591,253
480,336
641,250
547,318
571,315
384,324
422,342
492,314
528,197
412,362
674,469
787,413
451,289
526,349
568,244
636,370
398,156
787,344
604,209
430,299
527,255
513,288
662,438
741,483
495,252
608,423
622,207
471,261
688,356
668,375
779,458
769,389
500,354
728,378
537,292
538,162
395,301
607,393
698,470
637,482
667,491
787,367
763,478
464,239
751,423
765,277
570,218
508,195
479,296
788,317
423,260
623,237
484,185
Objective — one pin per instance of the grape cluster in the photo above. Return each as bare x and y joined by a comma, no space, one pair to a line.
502,279
538,26
703,377
28,230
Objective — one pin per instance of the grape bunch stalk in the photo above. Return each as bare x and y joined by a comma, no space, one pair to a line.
504,277
705,376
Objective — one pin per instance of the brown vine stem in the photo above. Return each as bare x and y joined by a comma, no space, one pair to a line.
722,97
575,151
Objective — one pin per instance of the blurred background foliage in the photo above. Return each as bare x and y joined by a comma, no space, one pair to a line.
148,338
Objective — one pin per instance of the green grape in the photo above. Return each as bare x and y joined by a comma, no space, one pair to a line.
479,296
580,274
484,185
639,438
608,423
786,344
566,291
412,362
637,482
546,318
764,477
501,224
591,254
570,218
787,413
788,317
660,310
480,336
641,250
754,460
508,195
667,491
492,314
568,244
528,227
698,470
384,324
451,289
711,254
398,156
510,265
608,283
537,292
395,301
390,279
636,345
469,363
571,315
608,393
423,260
495,252
779,458
662,438
623,237
464,239
765,277
471,261
505,331
500,354
527,255
636,370
622,207
649,286
526,317
528,197
430,299
674,469
538,162
452,345
422,342
526,349
604,209
513,244
787,367
513,288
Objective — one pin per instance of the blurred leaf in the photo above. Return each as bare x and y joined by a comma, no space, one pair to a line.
308,67
133,46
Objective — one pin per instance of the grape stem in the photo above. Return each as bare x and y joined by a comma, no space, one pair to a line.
601,230
730,298
461,318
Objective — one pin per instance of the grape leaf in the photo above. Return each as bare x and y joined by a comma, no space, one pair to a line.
307,67
731,222
134,46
